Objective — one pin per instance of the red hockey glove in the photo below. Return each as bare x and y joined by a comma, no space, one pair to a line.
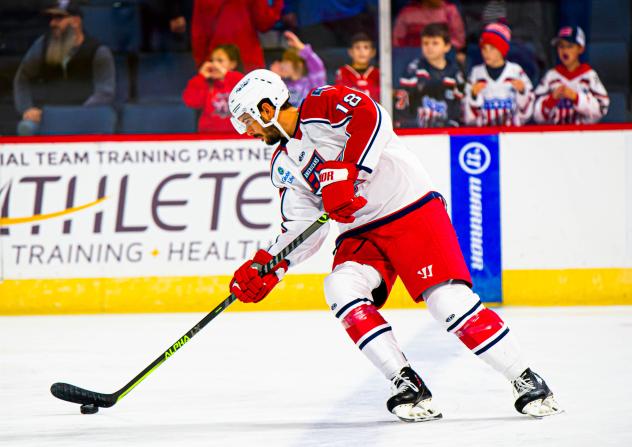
248,286
337,180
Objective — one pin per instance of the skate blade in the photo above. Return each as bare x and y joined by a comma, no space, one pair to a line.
542,408
421,412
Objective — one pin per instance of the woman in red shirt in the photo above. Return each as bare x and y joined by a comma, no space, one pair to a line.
209,89
218,22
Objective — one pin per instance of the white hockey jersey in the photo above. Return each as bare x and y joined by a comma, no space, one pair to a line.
339,123
499,103
592,98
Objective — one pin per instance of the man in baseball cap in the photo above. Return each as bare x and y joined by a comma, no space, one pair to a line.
571,92
65,66
64,8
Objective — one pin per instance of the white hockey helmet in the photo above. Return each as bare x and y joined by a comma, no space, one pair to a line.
250,91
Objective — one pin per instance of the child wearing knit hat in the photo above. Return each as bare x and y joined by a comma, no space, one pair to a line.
499,93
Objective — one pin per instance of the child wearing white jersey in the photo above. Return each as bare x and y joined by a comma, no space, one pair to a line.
499,93
570,93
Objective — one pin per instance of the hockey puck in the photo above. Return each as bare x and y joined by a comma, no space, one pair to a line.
89,409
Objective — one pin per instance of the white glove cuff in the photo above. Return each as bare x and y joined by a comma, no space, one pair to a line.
329,176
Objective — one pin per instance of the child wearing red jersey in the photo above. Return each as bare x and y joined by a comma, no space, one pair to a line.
209,89
361,74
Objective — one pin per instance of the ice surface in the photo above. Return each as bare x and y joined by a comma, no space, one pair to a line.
294,379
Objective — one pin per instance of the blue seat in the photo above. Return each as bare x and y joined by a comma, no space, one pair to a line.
78,120
8,67
157,118
618,110
117,26
162,77
610,20
611,60
8,119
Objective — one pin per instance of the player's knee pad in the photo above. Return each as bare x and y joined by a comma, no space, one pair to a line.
461,312
349,285
348,290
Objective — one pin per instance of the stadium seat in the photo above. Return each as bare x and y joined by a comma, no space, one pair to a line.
78,120
618,110
117,26
8,119
8,66
157,118
162,77
333,59
610,20
611,60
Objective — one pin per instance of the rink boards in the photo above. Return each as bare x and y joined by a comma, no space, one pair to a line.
122,224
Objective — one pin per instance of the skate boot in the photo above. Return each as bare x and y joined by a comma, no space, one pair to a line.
533,396
411,400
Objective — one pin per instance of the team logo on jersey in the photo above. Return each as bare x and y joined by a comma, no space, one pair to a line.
311,171
318,91
285,176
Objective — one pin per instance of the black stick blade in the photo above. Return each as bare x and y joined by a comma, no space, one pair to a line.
71,393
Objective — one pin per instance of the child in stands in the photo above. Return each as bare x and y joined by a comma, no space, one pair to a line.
432,87
361,74
301,69
499,93
570,93
209,89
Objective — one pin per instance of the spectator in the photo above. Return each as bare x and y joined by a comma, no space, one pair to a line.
331,23
571,93
361,74
499,93
532,22
300,67
432,86
217,22
209,89
63,67
417,14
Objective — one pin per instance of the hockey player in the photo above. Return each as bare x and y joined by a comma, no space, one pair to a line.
499,93
433,86
361,74
338,152
572,92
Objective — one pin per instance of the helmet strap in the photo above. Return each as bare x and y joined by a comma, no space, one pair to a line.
274,122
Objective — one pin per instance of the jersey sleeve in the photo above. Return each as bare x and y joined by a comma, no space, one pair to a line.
472,104
299,210
525,100
593,104
368,125
544,101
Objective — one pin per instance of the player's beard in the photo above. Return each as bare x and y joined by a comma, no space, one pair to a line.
60,45
271,135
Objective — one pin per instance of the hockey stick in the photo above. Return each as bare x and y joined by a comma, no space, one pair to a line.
91,401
